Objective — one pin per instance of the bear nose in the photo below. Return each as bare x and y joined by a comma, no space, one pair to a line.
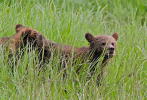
111,49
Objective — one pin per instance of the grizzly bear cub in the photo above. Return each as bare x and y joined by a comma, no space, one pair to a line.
4,40
28,36
14,45
24,36
102,45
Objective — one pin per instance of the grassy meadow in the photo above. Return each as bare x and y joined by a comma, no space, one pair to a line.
67,21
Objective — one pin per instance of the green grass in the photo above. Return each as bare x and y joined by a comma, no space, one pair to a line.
66,21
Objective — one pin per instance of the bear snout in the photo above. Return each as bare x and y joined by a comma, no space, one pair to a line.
111,50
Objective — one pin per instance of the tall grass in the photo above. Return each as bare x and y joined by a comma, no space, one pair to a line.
66,21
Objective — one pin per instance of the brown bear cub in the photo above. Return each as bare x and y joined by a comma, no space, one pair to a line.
102,45
28,36
24,36
5,40
16,43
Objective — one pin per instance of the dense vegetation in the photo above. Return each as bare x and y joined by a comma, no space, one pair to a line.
66,21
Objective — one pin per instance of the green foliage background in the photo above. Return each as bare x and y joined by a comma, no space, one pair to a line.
66,21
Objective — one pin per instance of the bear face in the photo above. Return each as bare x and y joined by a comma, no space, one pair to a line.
103,44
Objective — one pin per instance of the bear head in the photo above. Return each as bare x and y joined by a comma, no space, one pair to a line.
103,44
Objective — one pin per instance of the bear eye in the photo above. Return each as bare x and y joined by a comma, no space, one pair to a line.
103,43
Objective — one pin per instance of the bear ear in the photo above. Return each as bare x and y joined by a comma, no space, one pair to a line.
18,26
26,33
89,37
115,36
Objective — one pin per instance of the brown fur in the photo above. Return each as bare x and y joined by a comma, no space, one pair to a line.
99,45
18,39
28,36
3,40
23,36
16,43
